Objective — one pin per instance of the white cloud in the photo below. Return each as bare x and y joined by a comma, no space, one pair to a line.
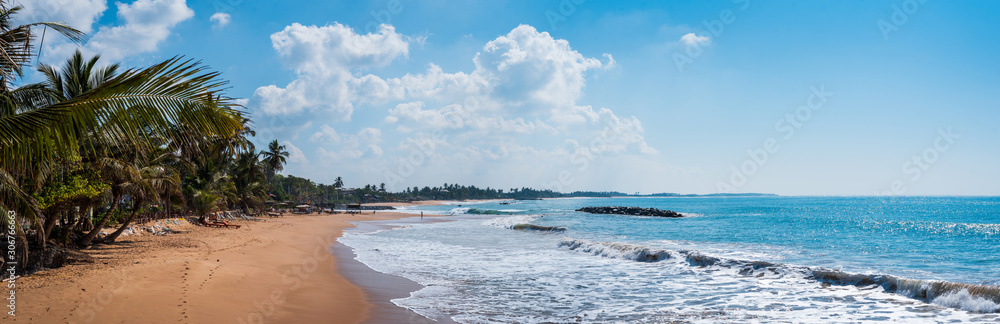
690,39
326,134
525,72
364,144
220,19
144,25
528,67
324,59
516,111
147,24
79,14
295,155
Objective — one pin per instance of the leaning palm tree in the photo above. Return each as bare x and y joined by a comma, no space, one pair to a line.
153,177
274,158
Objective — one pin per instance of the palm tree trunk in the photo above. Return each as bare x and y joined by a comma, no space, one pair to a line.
128,220
86,222
89,238
69,225
50,223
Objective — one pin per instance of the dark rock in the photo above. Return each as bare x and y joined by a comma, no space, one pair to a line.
530,227
633,211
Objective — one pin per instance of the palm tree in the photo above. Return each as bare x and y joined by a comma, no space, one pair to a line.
39,124
274,158
78,76
204,202
153,176
248,180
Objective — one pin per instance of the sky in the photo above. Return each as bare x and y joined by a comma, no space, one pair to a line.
786,97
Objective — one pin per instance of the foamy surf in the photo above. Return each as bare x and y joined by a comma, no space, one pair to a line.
968,297
702,269
509,222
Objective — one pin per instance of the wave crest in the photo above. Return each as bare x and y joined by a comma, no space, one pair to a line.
964,296
616,250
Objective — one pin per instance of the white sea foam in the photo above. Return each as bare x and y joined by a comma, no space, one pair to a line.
962,299
616,250
478,271
508,222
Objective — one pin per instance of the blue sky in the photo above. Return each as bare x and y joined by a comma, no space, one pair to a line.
587,95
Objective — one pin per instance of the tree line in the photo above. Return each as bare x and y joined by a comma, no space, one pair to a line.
94,144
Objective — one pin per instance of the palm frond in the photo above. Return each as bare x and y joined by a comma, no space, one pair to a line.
127,110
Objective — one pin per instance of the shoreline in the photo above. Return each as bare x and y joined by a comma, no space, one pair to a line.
382,288
284,269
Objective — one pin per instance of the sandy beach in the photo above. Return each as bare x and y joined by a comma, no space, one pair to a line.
282,270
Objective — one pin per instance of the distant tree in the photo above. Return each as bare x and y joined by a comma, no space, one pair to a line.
274,158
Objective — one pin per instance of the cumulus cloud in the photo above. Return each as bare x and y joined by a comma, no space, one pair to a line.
324,60
220,19
529,67
517,109
143,25
690,39
80,14
336,146
295,154
525,72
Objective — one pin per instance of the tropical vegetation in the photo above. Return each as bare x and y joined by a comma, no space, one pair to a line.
95,144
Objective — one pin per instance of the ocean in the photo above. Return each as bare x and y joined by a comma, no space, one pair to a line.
731,259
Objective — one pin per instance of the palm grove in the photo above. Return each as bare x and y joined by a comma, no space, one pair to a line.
95,145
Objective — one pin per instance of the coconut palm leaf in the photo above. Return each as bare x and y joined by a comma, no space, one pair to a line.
126,110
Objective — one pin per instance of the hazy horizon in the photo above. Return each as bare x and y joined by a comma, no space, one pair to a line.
811,98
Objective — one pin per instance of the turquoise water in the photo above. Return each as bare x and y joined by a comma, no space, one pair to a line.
829,258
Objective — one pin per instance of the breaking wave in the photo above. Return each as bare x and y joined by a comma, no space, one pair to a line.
531,227
483,211
964,296
509,222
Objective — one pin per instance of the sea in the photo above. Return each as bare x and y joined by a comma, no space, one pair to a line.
730,259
